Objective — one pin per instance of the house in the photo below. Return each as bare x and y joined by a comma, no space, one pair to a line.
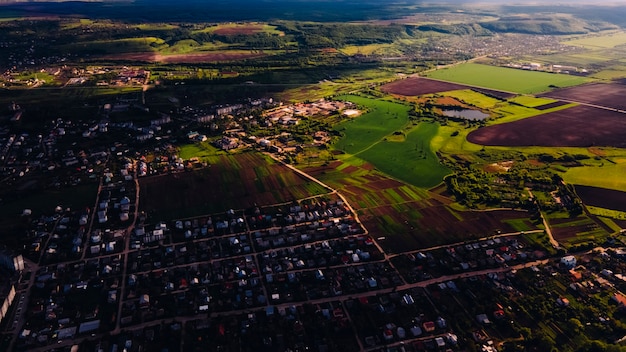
144,301
575,275
483,319
429,326
620,299
102,217
569,261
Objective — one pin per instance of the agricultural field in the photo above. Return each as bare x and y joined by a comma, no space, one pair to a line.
601,54
204,151
580,230
579,126
231,181
404,217
381,119
602,94
369,49
410,158
531,102
603,40
608,175
414,86
384,137
602,197
505,79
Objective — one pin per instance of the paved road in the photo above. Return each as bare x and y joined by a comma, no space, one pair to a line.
127,235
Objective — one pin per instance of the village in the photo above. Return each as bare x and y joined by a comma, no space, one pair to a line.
305,274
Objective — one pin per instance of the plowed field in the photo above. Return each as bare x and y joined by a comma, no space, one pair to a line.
579,126
602,94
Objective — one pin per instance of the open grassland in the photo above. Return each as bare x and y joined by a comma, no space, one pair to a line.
610,74
608,214
474,98
411,160
369,49
228,29
384,137
530,101
191,46
610,176
156,26
231,181
505,79
381,119
604,40
204,151
452,139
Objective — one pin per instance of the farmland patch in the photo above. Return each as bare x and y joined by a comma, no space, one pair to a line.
419,86
233,181
505,79
579,126
603,94
602,197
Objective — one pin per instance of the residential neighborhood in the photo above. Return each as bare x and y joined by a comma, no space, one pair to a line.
304,274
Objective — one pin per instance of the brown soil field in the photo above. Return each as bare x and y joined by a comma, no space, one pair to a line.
551,105
419,86
437,226
410,218
235,182
183,58
566,234
602,94
602,197
579,126
246,29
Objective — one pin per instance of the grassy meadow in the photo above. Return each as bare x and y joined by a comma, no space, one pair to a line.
608,175
505,79
385,137
605,40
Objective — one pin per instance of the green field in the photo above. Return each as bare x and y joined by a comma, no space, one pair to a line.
412,160
505,79
382,119
243,27
368,49
203,151
530,101
609,176
607,41
473,98
385,138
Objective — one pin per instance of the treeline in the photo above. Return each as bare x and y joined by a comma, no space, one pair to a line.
335,35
